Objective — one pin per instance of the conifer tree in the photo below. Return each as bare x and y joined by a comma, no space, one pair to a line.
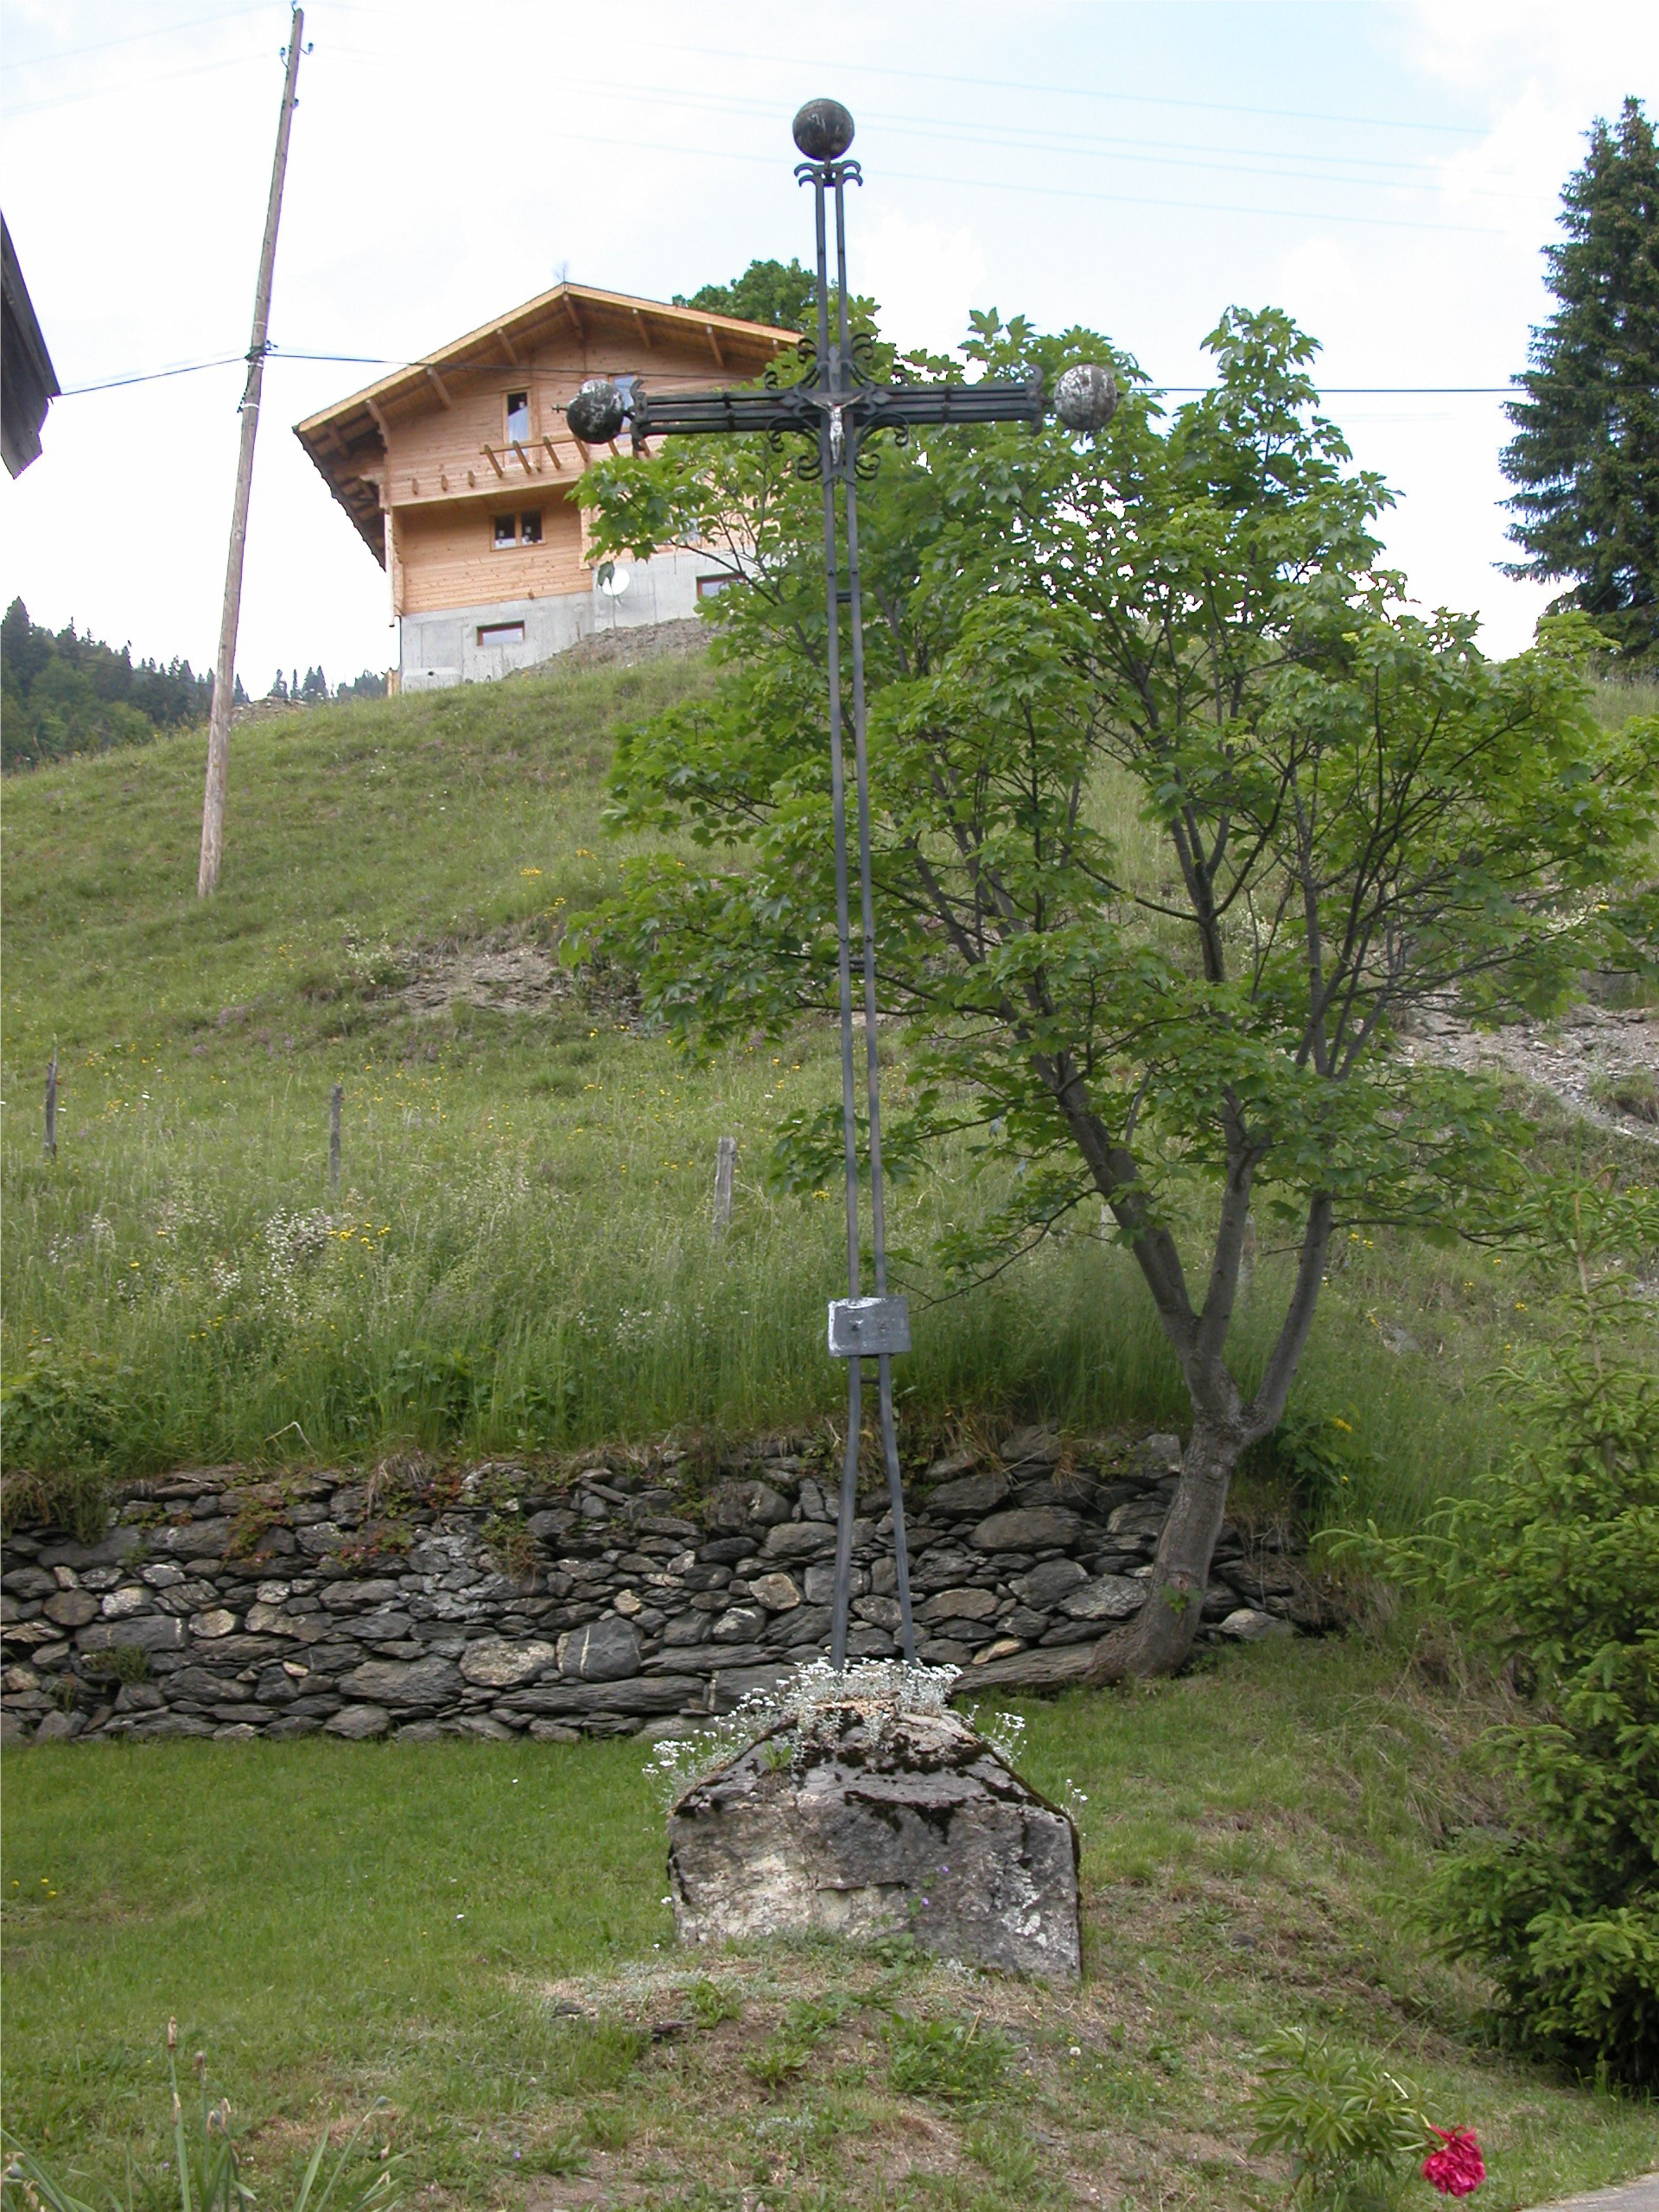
68,692
1586,456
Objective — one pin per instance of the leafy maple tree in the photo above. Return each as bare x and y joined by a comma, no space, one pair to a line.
1180,812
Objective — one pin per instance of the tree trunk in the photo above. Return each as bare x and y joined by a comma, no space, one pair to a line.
1158,1639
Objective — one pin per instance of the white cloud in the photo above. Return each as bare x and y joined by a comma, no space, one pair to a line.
1498,47
1319,284
1512,178
925,277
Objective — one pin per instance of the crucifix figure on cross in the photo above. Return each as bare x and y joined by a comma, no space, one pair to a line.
839,406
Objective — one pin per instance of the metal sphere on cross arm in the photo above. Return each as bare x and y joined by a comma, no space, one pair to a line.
1085,397
823,130
597,412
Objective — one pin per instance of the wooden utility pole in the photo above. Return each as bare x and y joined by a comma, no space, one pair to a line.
218,728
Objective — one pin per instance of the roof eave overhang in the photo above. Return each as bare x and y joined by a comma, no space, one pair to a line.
489,349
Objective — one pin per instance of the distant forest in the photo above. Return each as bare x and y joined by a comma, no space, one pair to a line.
62,693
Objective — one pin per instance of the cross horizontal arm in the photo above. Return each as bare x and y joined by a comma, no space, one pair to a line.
802,407
697,414
924,403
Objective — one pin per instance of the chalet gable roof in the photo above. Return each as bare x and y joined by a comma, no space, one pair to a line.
348,441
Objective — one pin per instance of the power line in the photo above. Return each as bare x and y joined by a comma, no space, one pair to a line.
276,353
1165,153
1088,93
1006,85
129,83
281,354
1059,191
133,38
1003,184
1162,152
153,376
1358,390
656,146
915,76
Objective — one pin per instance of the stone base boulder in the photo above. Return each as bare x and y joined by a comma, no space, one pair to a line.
865,1824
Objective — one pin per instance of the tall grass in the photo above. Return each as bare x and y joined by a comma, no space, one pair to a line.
520,1255
1617,695
195,1292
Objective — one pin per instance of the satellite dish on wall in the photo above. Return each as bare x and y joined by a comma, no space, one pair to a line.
615,583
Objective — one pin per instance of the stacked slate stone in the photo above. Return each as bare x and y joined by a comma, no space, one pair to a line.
627,1596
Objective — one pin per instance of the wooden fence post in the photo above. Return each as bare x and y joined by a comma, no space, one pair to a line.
1247,1254
50,1147
336,1099
725,1168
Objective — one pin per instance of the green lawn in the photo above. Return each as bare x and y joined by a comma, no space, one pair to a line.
333,1924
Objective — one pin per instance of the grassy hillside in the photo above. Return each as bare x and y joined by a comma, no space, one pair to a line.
520,1254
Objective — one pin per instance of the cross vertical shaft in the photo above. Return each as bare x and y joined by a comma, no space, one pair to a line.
838,448
840,406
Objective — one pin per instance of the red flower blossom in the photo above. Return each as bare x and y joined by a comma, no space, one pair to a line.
1457,2169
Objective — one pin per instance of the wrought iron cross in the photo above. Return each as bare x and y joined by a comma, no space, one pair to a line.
840,406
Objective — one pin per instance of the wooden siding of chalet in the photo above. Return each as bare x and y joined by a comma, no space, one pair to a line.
447,556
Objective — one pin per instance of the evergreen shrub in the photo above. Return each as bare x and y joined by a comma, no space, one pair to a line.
1554,1562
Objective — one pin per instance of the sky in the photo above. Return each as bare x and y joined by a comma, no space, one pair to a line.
1387,170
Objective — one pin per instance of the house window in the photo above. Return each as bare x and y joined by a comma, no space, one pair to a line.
712,587
500,633
519,529
517,417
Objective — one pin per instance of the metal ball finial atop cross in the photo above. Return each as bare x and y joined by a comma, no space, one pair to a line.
839,407
823,129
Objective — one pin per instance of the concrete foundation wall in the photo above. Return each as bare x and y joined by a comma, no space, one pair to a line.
438,650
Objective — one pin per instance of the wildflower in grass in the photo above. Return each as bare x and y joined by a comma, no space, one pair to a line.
1457,2169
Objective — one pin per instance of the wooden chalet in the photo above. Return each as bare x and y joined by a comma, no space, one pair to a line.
460,476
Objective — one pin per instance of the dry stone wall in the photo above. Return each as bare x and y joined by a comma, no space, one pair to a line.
632,1593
